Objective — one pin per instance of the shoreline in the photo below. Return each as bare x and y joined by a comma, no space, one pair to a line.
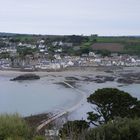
73,70
82,72
61,75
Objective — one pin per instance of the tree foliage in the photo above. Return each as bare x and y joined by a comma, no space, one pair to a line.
72,129
23,51
119,129
104,52
4,55
110,103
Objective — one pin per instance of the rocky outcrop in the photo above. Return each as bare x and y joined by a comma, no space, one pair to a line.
129,78
125,81
26,77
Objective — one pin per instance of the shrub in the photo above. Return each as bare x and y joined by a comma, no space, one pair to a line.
119,129
72,129
12,127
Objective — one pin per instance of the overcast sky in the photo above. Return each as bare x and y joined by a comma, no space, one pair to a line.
103,17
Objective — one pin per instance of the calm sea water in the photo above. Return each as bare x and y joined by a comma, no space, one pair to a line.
89,88
33,97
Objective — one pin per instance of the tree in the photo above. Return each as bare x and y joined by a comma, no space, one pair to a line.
110,103
104,53
85,50
23,51
72,129
119,129
4,55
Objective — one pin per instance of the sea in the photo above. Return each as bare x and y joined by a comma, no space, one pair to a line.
43,96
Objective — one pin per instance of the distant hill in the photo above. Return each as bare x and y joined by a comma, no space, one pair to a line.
6,34
123,44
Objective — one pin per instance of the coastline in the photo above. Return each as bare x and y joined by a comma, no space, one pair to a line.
74,72
64,72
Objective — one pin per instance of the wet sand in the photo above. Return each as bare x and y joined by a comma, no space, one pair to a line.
69,72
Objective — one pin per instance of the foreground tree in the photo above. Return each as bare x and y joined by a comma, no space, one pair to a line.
72,129
119,129
110,103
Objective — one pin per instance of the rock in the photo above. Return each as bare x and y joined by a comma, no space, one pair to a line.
105,78
26,77
129,78
99,81
71,78
125,81
109,71
109,78
89,79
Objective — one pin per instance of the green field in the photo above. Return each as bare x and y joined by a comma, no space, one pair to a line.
131,44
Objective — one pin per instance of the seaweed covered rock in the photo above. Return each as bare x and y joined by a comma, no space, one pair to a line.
26,77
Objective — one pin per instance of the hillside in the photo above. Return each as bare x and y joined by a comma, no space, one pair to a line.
121,44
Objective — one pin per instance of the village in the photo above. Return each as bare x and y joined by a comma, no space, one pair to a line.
28,56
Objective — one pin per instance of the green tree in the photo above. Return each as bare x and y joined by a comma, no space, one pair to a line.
85,49
119,129
4,55
104,52
23,51
72,129
110,103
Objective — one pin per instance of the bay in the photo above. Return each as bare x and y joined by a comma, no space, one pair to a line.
34,97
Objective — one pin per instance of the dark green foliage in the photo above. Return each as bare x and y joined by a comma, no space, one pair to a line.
23,51
85,50
4,55
119,129
104,52
111,103
72,129
76,39
39,138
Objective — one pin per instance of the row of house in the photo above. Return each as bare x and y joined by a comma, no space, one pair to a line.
71,61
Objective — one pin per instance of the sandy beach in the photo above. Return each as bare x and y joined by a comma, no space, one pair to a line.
73,72
68,72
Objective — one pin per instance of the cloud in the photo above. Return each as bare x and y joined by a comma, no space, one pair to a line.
70,17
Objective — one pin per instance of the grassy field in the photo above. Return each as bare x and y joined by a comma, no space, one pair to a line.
112,47
131,44
118,39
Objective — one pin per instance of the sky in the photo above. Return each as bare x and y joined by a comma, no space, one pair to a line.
66,17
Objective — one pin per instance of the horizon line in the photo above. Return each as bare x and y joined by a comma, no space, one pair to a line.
43,34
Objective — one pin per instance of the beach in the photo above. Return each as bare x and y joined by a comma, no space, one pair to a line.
73,71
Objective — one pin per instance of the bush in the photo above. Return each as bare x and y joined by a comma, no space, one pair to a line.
12,127
119,129
73,129
39,138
